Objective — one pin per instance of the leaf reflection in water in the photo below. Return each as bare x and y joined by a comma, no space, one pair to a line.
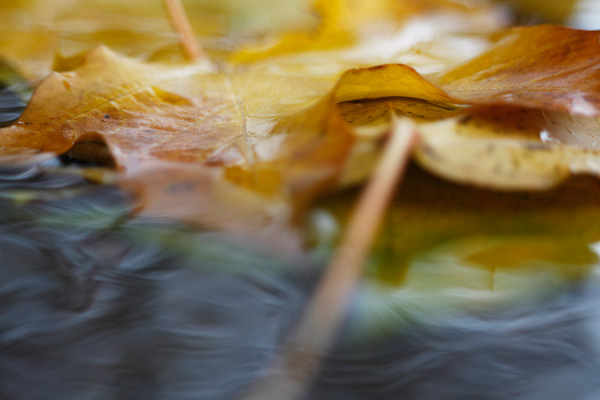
95,303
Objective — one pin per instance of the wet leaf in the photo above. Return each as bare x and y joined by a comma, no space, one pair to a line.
540,123
176,132
511,148
360,33
532,116
546,67
282,125
260,129
33,31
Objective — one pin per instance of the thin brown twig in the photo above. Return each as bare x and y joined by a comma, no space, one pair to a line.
182,25
318,327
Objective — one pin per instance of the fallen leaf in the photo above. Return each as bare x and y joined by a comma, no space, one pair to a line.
208,126
532,116
361,33
33,31
522,151
546,67
260,129
272,130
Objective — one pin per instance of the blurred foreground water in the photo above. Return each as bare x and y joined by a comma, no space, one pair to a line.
97,304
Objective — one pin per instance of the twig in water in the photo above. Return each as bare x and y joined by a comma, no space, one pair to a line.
319,325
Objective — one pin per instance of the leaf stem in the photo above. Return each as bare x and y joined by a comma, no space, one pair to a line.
327,310
181,24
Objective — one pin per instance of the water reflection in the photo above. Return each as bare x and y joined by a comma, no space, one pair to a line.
98,304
